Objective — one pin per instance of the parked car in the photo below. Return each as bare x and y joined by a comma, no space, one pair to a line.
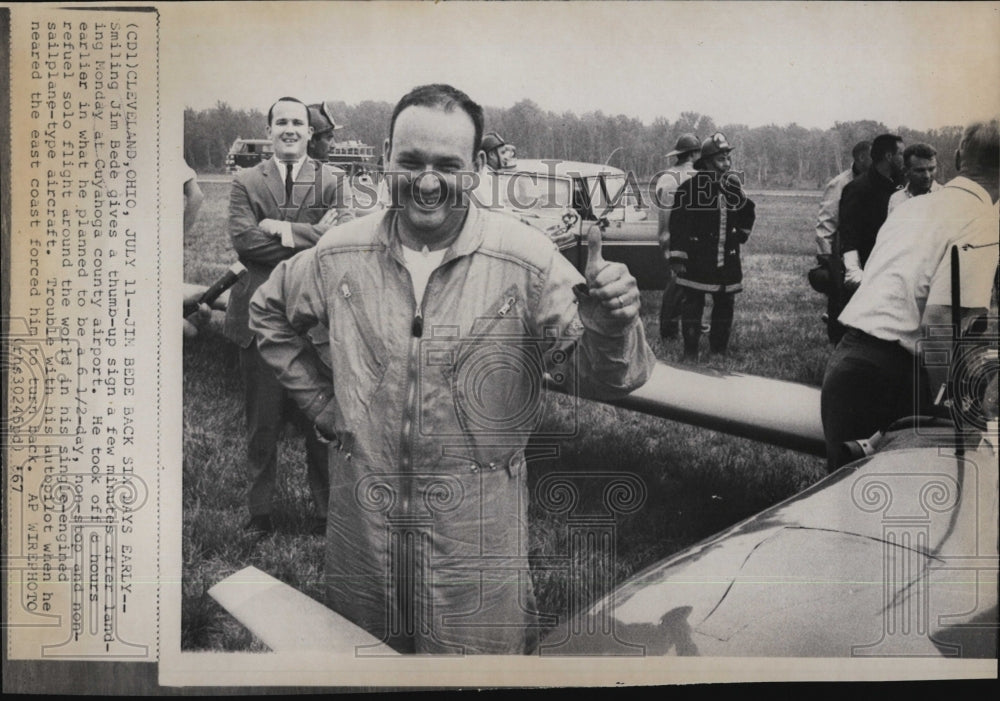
354,157
542,192
357,159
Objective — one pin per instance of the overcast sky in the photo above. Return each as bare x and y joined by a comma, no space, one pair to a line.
920,65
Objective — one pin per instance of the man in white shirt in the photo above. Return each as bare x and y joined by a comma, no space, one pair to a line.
828,216
920,162
875,375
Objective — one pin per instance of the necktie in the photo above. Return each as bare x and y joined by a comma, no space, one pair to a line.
288,183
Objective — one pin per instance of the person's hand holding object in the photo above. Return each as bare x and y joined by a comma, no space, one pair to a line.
197,320
612,285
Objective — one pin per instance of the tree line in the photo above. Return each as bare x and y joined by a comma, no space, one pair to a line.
771,156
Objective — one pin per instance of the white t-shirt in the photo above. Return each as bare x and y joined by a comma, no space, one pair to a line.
421,264
901,196
910,265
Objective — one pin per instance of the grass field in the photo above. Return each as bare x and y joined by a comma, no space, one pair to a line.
696,481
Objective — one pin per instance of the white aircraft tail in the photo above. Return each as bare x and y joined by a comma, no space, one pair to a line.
285,619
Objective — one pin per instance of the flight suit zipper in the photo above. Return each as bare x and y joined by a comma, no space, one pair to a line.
410,410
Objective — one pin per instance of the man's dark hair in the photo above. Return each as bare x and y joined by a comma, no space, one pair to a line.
445,98
270,111
980,147
860,149
884,145
925,151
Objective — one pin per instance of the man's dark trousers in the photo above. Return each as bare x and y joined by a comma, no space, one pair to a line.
670,309
267,407
868,384
692,308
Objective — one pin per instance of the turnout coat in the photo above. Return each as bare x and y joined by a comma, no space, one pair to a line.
432,405
710,219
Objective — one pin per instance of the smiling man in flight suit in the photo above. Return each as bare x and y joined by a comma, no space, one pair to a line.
443,317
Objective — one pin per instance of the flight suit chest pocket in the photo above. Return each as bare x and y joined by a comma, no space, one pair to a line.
496,374
357,338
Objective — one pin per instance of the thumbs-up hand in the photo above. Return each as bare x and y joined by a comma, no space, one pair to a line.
595,260
613,289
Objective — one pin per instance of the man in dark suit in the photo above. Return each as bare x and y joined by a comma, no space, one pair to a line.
278,208
864,205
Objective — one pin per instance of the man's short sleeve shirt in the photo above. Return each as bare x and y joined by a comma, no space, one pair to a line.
910,266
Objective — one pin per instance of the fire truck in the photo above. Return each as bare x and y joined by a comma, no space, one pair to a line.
355,157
